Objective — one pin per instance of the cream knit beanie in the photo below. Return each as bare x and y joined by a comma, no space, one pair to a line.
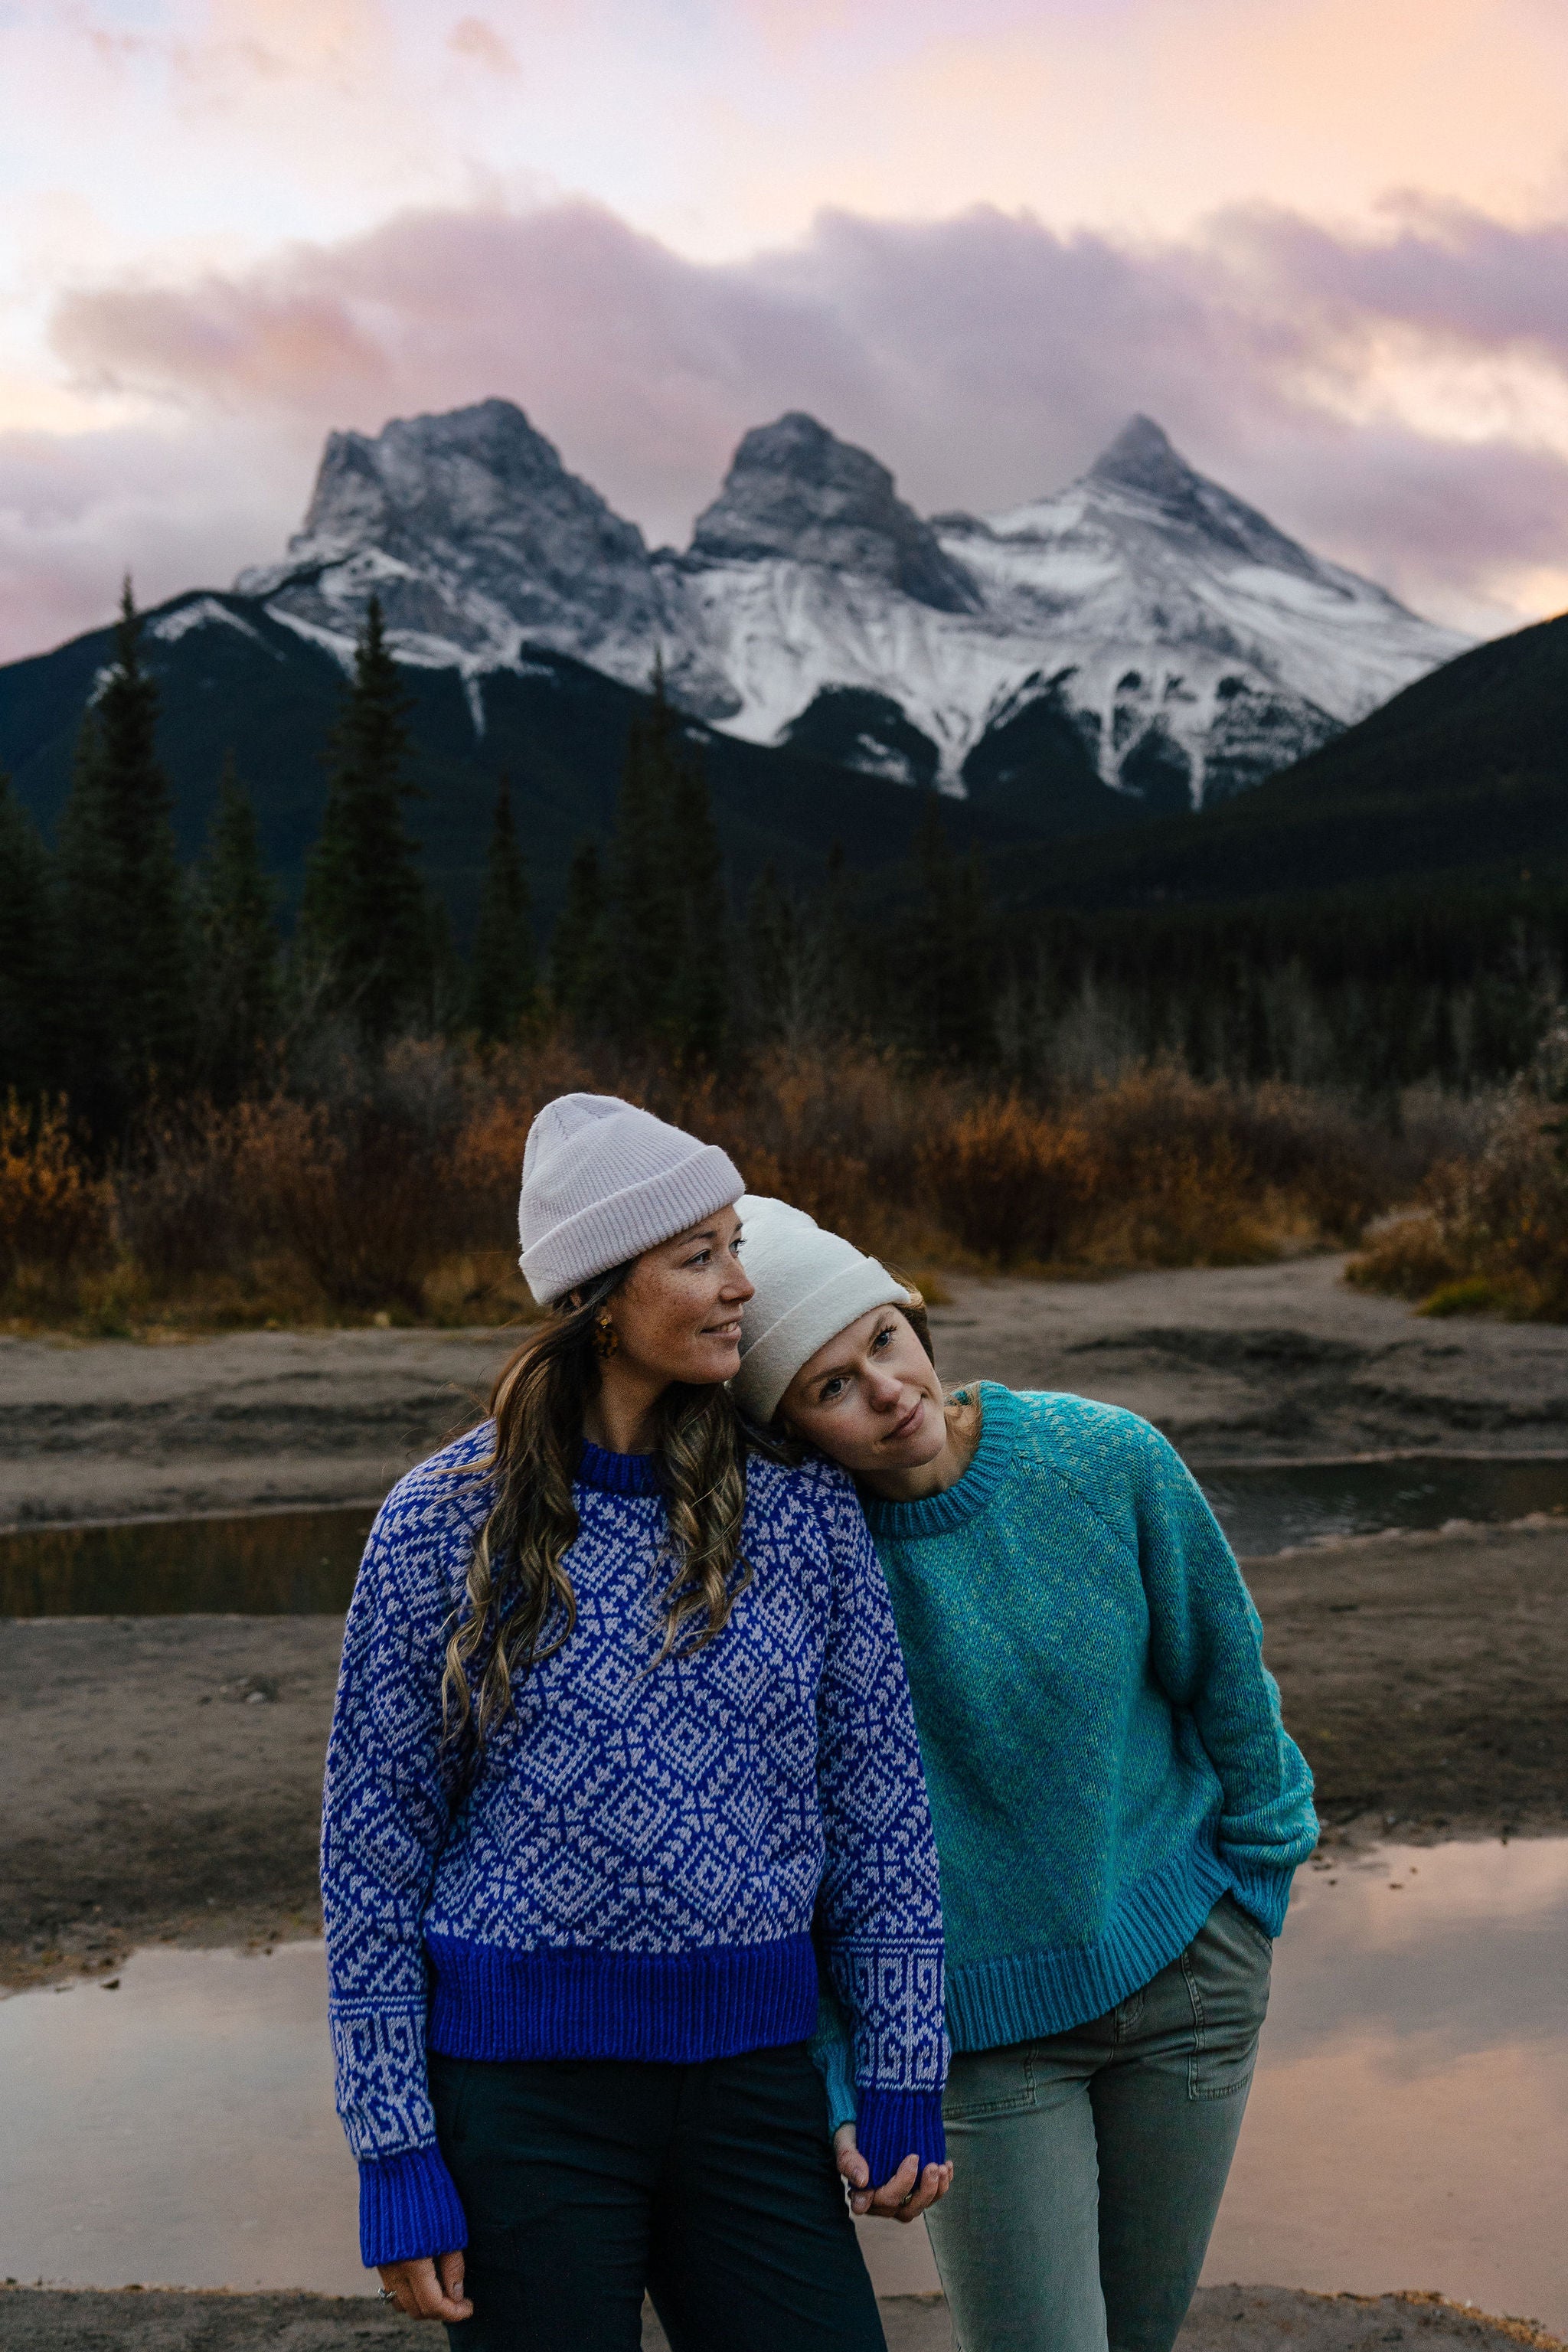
602,1182
809,1285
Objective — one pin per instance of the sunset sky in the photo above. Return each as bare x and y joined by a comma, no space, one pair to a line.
1325,242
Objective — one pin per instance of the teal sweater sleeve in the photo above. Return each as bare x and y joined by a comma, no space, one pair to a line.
834,2059
1207,1648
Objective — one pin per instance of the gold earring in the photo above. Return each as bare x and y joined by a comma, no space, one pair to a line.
606,1338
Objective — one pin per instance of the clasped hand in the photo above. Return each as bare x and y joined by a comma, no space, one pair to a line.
901,2199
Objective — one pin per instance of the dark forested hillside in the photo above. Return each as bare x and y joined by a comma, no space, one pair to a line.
1459,781
232,678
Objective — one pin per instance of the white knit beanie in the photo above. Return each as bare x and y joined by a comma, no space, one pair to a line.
809,1285
602,1182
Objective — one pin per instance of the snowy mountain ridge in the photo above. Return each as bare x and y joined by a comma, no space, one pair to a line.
1192,646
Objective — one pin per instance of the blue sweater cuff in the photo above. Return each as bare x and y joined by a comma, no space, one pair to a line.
894,2125
1263,1894
408,2208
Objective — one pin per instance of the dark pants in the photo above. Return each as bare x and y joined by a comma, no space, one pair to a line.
712,2186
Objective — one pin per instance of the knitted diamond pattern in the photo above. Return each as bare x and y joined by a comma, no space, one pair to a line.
649,1847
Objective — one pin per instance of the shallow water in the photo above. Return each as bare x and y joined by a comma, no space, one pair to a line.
270,1564
1408,2126
1264,1508
247,1564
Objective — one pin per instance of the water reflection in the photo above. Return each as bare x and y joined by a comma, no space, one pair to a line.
270,1564
247,1564
1409,2127
1263,1510
1409,2123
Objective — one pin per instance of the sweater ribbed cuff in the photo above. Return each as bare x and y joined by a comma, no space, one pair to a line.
408,2208
830,2056
1263,1894
894,2125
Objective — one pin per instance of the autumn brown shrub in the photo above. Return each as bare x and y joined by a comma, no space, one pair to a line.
1011,1180
1489,1231
55,1215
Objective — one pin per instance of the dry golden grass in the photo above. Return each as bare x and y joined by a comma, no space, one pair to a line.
396,1199
1487,1233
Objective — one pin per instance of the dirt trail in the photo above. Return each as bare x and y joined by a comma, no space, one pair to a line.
1274,1362
1236,1364
1222,2319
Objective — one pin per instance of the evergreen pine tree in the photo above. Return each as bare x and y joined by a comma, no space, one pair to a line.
29,997
444,1006
504,976
697,1016
238,946
129,993
363,922
643,932
665,939
581,979
951,991
773,932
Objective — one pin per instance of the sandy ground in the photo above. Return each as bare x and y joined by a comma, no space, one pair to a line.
1262,1364
163,1774
1223,2319
1240,1364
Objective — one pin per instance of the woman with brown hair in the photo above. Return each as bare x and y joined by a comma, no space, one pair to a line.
622,1738
1119,1809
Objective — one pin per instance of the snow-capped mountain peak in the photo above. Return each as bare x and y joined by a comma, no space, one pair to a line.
1188,645
475,537
794,491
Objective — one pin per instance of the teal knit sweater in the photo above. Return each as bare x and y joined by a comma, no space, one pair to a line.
1102,1744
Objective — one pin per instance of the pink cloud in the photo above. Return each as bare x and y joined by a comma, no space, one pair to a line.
471,37
986,357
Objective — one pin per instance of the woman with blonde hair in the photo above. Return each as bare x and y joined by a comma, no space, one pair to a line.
622,1741
1117,1805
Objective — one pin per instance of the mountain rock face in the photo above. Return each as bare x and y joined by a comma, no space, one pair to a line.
795,494
478,542
1178,646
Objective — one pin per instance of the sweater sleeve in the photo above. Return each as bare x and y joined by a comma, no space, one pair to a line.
1208,1650
834,2060
385,1812
879,1904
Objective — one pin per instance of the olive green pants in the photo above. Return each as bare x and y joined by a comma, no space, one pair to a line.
1088,2168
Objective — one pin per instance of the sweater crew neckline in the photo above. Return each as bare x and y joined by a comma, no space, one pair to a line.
617,1474
1001,1418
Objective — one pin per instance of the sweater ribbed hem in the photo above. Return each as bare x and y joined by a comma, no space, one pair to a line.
408,2208
894,2125
674,2008
1001,1420
1263,1894
1026,1995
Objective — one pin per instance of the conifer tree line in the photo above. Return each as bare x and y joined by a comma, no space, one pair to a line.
124,980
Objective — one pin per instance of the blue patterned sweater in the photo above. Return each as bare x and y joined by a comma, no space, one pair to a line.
1103,1743
640,1865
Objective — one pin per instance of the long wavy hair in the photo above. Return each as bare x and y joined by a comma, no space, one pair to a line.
518,1607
